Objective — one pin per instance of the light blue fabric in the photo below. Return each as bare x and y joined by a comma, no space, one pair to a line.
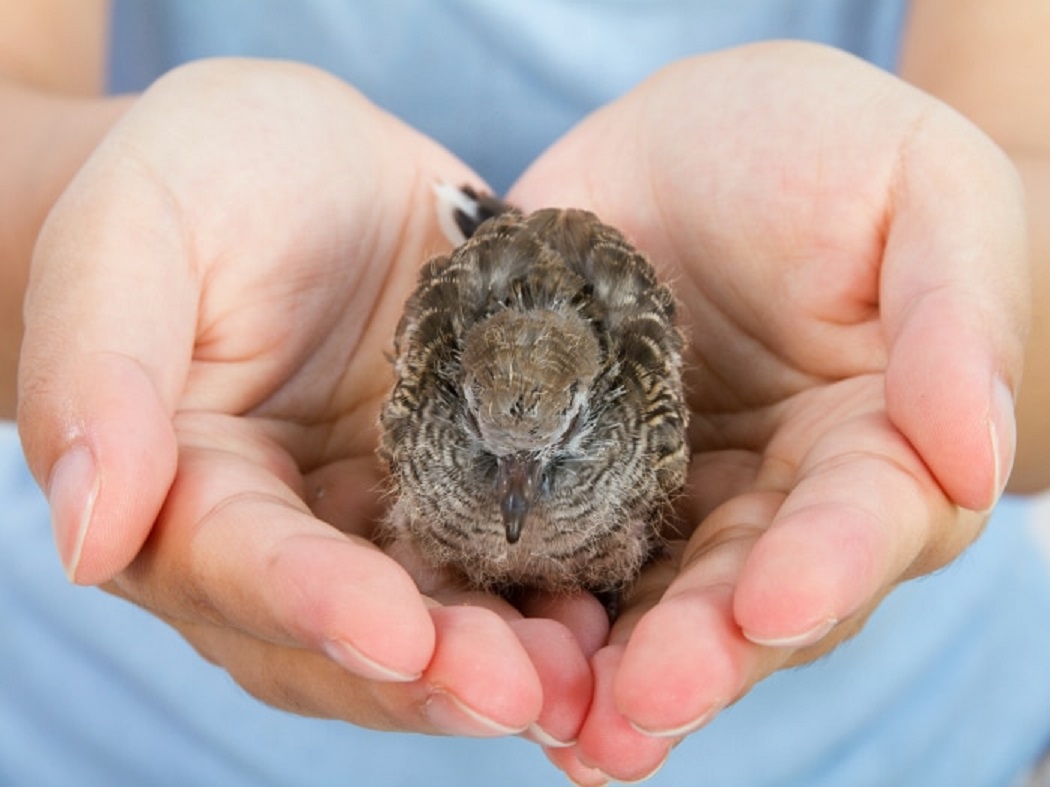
947,685
496,81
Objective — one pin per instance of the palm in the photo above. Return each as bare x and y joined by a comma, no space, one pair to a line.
297,274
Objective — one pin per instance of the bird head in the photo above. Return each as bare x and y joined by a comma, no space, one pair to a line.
527,377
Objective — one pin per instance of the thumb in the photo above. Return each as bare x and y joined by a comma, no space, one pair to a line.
956,304
109,326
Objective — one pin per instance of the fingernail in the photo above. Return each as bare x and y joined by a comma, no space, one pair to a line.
647,776
815,634
71,494
351,659
684,729
636,780
1002,434
450,715
544,738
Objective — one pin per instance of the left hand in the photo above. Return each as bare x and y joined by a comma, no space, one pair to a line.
849,257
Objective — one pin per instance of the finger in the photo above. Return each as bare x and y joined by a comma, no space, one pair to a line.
607,740
669,686
865,514
107,343
479,682
565,678
486,684
581,613
576,772
235,544
955,304
767,575
553,650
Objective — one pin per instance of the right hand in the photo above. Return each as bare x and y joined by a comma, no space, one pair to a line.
209,309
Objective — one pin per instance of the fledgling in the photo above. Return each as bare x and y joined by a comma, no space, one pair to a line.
536,429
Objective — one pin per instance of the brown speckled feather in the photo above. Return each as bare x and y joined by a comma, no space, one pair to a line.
536,430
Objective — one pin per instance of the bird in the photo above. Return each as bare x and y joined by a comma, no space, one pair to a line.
535,433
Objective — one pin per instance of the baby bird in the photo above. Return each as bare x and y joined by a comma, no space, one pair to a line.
536,429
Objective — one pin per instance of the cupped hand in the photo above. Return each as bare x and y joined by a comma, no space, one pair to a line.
849,257
209,310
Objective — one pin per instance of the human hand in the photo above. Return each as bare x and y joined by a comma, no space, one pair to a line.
849,257
206,324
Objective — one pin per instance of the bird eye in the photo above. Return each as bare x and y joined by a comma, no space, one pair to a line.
472,422
574,388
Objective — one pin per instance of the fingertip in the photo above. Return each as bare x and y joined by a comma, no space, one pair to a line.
390,615
481,663
952,367
608,741
668,687
350,601
453,716
564,674
352,659
809,571
567,762
107,451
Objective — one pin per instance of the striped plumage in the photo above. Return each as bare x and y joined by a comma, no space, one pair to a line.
536,430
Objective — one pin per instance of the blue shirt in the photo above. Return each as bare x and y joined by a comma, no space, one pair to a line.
495,81
946,685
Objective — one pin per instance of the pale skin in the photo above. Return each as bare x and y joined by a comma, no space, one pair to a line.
204,341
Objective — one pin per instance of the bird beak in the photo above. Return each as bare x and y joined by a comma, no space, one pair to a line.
517,483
